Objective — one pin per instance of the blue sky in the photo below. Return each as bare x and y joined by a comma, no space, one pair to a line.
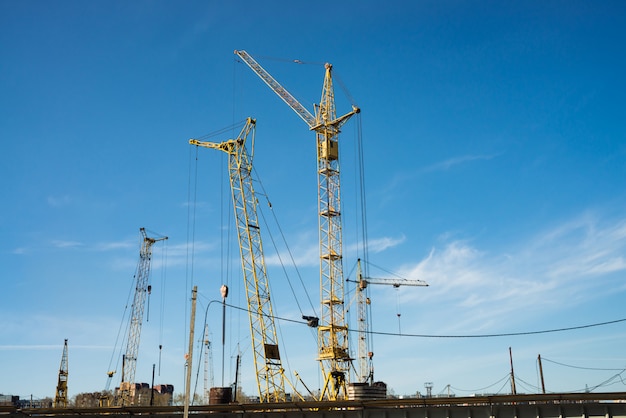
495,156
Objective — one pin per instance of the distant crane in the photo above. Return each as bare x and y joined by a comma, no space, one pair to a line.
269,370
366,370
334,353
208,363
142,288
60,399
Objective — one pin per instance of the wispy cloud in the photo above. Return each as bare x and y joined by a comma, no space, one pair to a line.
115,245
19,250
573,262
400,178
66,244
59,201
304,255
454,161
378,245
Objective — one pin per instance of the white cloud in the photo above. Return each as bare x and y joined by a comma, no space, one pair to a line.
573,262
305,254
66,244
59,201
115,245
19,250
450,162
378,245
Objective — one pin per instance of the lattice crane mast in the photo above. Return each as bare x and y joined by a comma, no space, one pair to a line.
333,350
142,288
208,363
366,369
269,371
60,399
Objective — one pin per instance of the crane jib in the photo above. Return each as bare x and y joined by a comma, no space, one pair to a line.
278,89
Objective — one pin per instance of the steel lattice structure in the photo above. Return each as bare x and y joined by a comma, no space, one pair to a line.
334,353
269,371
142,288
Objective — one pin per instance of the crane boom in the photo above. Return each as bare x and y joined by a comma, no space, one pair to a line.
277,88
269,371
142,288
392,282
333,350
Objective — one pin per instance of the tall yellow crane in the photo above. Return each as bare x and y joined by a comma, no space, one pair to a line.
366,369
142,288
269,370
60,398
333,350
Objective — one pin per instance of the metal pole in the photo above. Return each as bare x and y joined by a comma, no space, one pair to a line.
152,391
236,378
224,292
512,373
543,385
189,359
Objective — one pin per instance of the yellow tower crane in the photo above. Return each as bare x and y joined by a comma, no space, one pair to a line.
269,370
333,350
60,399
366,370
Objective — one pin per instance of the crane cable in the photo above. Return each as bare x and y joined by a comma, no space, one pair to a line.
123,322
282,264
162,308
282,234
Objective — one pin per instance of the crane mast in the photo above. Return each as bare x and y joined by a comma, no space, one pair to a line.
142,288
60,399
366,370
269,371
208,363
333,350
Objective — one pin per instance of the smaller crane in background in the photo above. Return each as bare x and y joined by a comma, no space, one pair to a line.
208,363
60,399
366,369
142,288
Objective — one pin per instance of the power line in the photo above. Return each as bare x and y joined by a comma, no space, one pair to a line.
581,368
506,334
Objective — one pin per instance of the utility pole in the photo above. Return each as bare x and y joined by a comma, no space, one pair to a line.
224,292
513,391
189,357
543,385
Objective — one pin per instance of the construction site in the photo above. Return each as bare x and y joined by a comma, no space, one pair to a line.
349,387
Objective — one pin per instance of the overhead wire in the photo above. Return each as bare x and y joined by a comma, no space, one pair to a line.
504,379
507,334
579,367
290,60
191,227
271,236
125,325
